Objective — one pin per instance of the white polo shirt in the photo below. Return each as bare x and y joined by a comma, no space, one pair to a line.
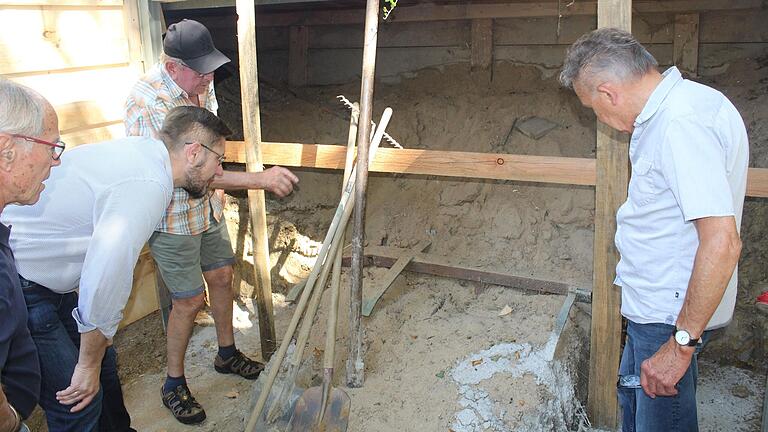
96,212
689,155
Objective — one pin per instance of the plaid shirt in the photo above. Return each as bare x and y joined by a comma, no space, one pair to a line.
148,103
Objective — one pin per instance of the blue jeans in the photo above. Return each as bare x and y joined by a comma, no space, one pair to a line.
664,413
58,343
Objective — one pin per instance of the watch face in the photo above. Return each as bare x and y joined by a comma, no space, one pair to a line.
682,337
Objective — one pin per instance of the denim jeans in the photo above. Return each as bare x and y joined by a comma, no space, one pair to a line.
58,342
664,413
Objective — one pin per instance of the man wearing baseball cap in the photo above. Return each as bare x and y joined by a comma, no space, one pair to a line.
191,244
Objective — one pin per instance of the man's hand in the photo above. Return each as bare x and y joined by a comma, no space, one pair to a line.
82,388
279,181
7,418
660,374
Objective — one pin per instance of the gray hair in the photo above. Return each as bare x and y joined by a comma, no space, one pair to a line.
606,51
22,110
164,58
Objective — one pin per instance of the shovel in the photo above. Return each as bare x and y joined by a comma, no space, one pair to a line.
312,407
325,408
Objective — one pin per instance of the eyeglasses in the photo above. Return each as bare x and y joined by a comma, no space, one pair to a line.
199,75
218,155
57,148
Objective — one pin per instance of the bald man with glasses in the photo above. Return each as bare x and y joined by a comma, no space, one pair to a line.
29,147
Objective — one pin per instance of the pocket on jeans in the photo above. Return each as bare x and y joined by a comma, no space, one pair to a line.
42,318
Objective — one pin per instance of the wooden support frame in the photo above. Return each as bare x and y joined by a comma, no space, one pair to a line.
482,43
685,47
298,56
495,166
610,193
427,12
425,263
249,88
355,361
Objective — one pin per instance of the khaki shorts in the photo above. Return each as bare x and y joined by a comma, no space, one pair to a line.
182,259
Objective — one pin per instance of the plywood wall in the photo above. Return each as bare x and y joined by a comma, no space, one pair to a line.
83,56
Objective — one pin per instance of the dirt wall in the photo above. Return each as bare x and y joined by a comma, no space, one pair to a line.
541,230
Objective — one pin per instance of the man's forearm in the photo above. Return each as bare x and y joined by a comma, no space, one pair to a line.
92,347
715,261
234,180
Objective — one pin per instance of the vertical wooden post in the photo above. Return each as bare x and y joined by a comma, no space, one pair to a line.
249,93
482,43
355,363
686,43
610,193
298,54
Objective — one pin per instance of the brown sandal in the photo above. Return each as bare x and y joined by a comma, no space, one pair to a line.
238,364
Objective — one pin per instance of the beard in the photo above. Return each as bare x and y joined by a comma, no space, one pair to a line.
196,186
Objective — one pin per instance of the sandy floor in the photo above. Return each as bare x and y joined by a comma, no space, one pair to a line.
416,339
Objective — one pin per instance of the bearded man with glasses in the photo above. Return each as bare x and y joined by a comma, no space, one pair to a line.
191,245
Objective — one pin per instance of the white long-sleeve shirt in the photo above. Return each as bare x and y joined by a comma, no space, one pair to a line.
96,212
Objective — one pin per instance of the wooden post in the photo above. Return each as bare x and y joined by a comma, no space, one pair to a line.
686,43
610,193
355,364
249,93
298,54
482,43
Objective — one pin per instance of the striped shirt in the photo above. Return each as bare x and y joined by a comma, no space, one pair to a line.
148,103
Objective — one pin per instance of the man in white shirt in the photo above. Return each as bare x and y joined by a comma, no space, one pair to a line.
85,234
678,231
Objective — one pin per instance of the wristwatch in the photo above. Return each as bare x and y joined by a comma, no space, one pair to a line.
683,338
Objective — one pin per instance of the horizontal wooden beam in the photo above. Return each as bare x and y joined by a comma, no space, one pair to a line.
496,166
425,263
428,12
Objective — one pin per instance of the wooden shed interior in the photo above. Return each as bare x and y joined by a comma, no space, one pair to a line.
513,183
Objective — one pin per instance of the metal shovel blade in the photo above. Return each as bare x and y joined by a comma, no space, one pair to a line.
308,407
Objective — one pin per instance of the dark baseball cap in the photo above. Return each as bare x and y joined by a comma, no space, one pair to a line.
190,42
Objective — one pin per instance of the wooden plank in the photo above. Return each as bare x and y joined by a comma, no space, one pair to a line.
375,292
425,263
94,135
355,375
58,3
482,43
132,23
249,89
757,182
498,166
427,12
298,55
81,115
686,43
610,193
44,38
733,26
107,87
402,34
142,300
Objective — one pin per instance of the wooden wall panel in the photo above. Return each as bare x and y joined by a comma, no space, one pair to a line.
87,113
48,38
